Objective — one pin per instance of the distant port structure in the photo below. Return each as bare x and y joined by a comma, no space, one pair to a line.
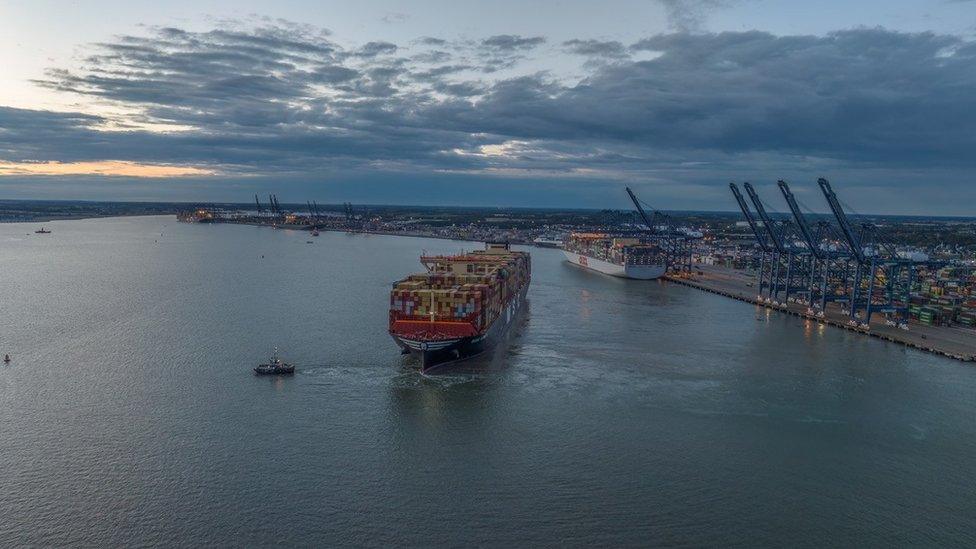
676,241
858,267
843,272
908,280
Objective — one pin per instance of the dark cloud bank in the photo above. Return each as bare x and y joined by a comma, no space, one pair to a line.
682,113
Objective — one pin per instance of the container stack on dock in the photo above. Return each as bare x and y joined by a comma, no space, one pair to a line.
945,297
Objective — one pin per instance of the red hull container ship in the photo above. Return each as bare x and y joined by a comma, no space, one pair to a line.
462,306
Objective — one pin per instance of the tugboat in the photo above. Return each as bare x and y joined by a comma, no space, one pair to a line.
274,367
42,230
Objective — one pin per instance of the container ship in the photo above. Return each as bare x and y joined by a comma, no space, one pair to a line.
623,257
462,306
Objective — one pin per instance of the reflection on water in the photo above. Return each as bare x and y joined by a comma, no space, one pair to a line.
621,413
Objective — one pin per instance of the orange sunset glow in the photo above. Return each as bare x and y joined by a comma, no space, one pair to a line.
101,167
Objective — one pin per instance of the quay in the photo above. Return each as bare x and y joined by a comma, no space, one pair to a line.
951,342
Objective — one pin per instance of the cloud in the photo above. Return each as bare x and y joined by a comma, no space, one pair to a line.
512,42
431,41
596,48
690,15
705,106
372,49
395,17
331,74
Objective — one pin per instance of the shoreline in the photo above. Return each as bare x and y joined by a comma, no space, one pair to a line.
947,341
308,228
79,217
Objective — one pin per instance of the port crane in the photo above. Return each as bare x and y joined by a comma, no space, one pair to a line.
854,265
676,246
788,270
829,268
882,280
766,251
312,215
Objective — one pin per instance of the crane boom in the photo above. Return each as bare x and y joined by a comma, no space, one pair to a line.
845,225
767,222
801,222
640,209
749,219
257,203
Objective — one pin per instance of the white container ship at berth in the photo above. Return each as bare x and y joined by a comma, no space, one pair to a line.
615,256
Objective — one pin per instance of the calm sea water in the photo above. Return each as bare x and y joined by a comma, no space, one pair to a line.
621,412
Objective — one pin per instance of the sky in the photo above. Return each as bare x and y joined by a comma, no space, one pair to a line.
504,103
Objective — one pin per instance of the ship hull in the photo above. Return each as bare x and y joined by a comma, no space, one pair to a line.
637,272
439,354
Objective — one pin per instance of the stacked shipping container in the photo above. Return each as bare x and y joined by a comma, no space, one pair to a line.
945,296
616,250
470,288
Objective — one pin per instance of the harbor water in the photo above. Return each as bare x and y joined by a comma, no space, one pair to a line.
620,412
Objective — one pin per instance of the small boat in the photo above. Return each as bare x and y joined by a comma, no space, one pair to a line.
275,366
6,359
42,230
315,232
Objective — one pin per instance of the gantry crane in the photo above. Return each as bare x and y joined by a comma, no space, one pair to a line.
676,246
877,262
766,251
828,267
782,277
